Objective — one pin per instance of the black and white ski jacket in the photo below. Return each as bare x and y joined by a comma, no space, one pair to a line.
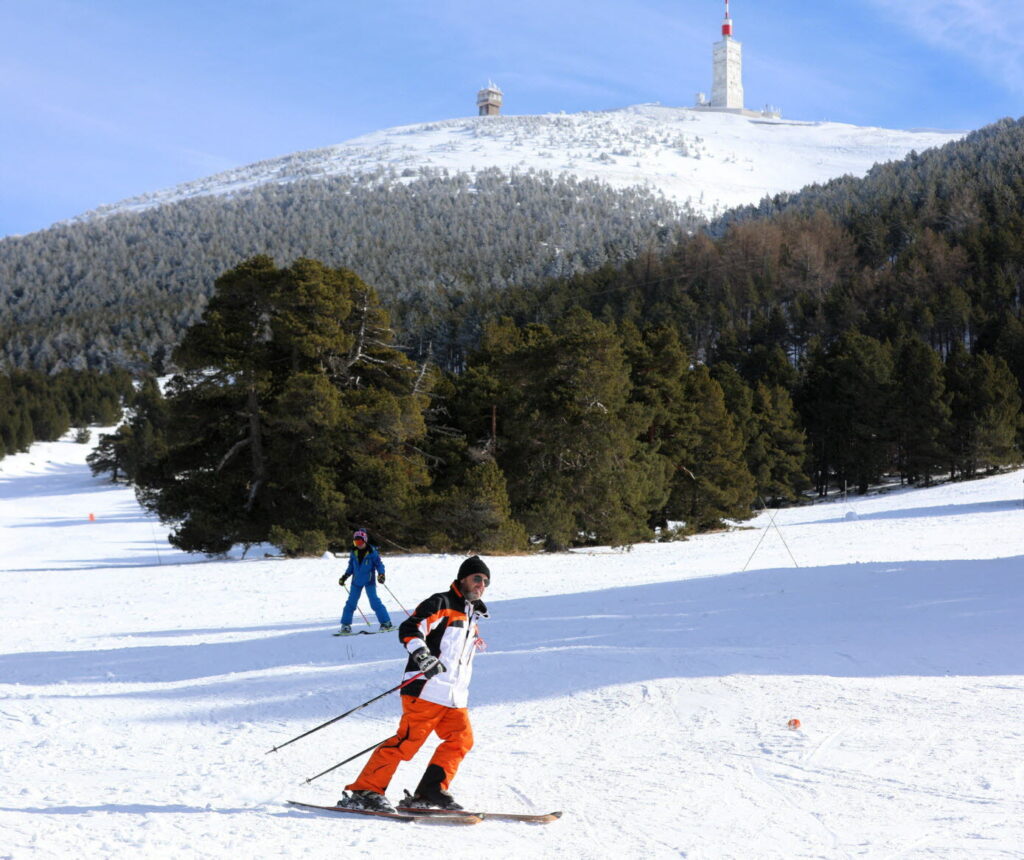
446,623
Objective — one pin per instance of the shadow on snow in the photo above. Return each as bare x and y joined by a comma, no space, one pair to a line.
932,618
959,510
61,479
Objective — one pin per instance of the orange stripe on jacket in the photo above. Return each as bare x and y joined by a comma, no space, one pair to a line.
431,620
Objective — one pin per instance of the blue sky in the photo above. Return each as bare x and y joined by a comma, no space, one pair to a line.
105,99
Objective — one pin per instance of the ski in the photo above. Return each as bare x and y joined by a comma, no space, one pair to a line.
530,817
364,632
393,816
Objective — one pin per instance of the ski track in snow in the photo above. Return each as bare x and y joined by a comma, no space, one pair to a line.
644,692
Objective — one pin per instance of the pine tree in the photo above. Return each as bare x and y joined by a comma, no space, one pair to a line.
739,399
920,410
774,446
659,366
1009,345
567,435
720,485
7,417
467,507
109,455
845,398
985,421
999,419
293,418
23,432
777,449
475,514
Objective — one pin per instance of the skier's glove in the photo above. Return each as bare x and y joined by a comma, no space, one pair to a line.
380,578
344,579
427,663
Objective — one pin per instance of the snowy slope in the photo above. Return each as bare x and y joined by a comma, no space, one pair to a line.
646,693
712,161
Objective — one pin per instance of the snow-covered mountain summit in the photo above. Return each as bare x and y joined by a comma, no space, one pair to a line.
711,160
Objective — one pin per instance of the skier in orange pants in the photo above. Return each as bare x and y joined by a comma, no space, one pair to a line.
442,637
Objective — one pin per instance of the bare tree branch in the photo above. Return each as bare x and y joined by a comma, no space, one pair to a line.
238,446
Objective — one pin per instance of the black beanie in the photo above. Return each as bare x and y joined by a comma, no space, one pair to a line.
473,564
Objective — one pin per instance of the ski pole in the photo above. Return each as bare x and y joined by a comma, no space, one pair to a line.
350,758
406,611
347,713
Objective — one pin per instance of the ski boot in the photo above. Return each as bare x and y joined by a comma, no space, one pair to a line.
440,800
346,630
429,794
369,800
387,627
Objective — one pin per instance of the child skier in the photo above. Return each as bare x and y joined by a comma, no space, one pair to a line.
441,637
363,560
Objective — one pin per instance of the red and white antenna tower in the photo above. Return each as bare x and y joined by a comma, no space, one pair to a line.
727,21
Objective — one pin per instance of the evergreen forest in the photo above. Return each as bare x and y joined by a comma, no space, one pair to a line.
39,407
860,331
120,291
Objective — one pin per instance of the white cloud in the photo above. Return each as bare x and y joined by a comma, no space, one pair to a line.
989,35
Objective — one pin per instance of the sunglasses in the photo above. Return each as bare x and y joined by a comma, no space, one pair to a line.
478,578
358,540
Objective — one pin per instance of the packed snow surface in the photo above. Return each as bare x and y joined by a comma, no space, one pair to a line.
709,160
645,693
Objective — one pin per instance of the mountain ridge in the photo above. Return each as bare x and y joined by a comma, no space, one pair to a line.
710,161
428,214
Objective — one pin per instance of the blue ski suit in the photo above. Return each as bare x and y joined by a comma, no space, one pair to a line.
361,567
